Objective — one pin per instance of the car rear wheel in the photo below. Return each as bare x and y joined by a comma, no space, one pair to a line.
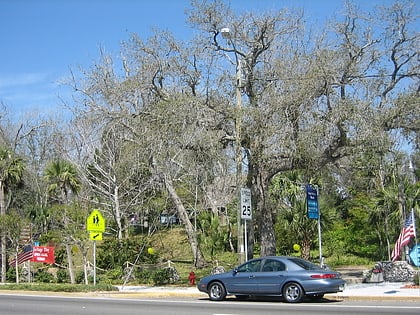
293,292
217,291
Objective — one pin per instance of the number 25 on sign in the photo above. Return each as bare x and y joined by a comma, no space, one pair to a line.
246,209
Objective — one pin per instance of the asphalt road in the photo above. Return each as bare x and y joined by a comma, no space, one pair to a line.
58,305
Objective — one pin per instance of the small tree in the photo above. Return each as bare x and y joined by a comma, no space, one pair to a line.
11,171
62,179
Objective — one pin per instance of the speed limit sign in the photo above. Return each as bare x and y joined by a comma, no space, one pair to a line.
246,209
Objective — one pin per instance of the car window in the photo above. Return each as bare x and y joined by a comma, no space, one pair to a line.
251,266
273,265
304,264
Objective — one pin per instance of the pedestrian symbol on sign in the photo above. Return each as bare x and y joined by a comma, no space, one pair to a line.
95,222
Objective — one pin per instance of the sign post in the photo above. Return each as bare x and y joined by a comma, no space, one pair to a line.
314,213
246,214
95,225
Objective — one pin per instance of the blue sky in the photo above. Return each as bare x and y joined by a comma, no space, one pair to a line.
43,39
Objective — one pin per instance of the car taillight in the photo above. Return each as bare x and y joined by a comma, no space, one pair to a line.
324,276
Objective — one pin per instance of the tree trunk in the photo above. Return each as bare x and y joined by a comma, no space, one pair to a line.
306,248
83,250
265,219
117,212
70,264
199,260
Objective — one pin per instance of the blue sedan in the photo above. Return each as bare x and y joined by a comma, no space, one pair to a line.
292,278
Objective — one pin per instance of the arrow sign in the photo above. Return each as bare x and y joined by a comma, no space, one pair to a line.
95,236
95,222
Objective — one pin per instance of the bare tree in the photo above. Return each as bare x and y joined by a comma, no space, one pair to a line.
311,102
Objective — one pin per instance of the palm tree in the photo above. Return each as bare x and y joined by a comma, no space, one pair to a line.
62,179
287,190
11,171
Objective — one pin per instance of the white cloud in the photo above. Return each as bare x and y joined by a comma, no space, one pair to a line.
19,80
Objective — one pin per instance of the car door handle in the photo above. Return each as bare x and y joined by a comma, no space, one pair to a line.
251,276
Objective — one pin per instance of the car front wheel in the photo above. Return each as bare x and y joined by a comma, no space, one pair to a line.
293,292
217,291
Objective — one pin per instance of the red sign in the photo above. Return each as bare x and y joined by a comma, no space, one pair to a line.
43,254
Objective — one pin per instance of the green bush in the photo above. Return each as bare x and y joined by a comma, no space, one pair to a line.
160,276
165,276
11,275
143,276
62,276
59,287
347,260
80,278
114,253
44,277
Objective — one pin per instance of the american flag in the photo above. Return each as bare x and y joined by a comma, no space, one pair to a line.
406,234
23,256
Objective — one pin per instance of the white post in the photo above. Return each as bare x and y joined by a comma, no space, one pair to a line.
321,260
246,241
94,262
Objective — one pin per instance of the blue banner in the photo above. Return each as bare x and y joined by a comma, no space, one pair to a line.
312,202
415,255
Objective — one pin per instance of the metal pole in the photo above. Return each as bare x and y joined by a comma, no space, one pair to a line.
94,262
246,241
238,156
238,152
321,260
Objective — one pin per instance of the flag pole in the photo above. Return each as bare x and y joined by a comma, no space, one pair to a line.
416,246
414,225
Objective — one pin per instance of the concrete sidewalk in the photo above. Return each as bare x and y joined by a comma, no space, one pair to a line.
383,291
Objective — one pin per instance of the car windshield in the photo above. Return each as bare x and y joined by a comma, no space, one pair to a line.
304,264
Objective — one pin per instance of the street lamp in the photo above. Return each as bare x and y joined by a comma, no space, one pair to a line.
238,152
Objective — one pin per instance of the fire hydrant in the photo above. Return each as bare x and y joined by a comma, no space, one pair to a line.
191,278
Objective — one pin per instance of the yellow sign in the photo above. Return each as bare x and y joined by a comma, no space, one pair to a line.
95,222
95,236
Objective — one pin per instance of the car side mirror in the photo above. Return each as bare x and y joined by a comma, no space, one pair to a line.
235,271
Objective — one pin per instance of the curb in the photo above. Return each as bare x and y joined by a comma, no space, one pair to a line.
167,293
374,298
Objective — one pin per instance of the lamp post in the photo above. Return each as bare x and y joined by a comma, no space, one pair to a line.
238,149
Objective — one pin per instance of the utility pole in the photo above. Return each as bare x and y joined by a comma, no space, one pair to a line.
238,148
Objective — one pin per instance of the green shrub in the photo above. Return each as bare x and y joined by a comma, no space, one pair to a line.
59,287
80,278
62,276
44,277
347,260
143,276
165,276
11,275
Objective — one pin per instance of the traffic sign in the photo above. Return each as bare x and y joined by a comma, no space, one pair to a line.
95,236
246,209
95,222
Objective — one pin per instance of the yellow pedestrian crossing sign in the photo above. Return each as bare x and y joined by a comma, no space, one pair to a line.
95,222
